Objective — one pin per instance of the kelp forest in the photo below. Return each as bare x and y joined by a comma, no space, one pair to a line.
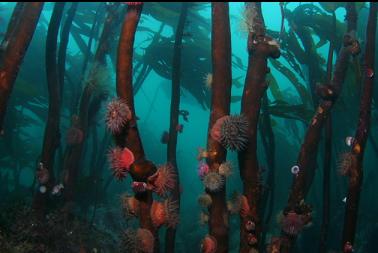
183,127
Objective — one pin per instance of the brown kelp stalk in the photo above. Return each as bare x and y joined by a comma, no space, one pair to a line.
174,117
296,208
327,155
51,139
220,107
130,138
13,48
361,135
260,48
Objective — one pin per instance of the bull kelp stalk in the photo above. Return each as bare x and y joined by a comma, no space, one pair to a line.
327,154
260,48
91,95
64,38
174,117
308,152
362,132
130,138
13,48
51,139
220,107
267,136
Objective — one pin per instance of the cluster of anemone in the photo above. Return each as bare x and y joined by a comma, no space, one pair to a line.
213,181
74,136
117,116
164,213
225,169
43,174
231,131
209,244
292,223
164,180
204,218
97,79
120,161
238,204
347,162
208,80
205,200
130,206
139,241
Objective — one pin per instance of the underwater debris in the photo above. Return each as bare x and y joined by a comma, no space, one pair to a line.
164,213
120,161
139,241
205,200
213,181
133,3
163,180
273,42
203,169
117,116
231,132
209,244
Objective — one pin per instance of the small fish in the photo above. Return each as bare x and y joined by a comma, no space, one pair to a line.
139,186
180,128
295,169
184,114
164,137
369,73
57,189
42,189
349,141
345,199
